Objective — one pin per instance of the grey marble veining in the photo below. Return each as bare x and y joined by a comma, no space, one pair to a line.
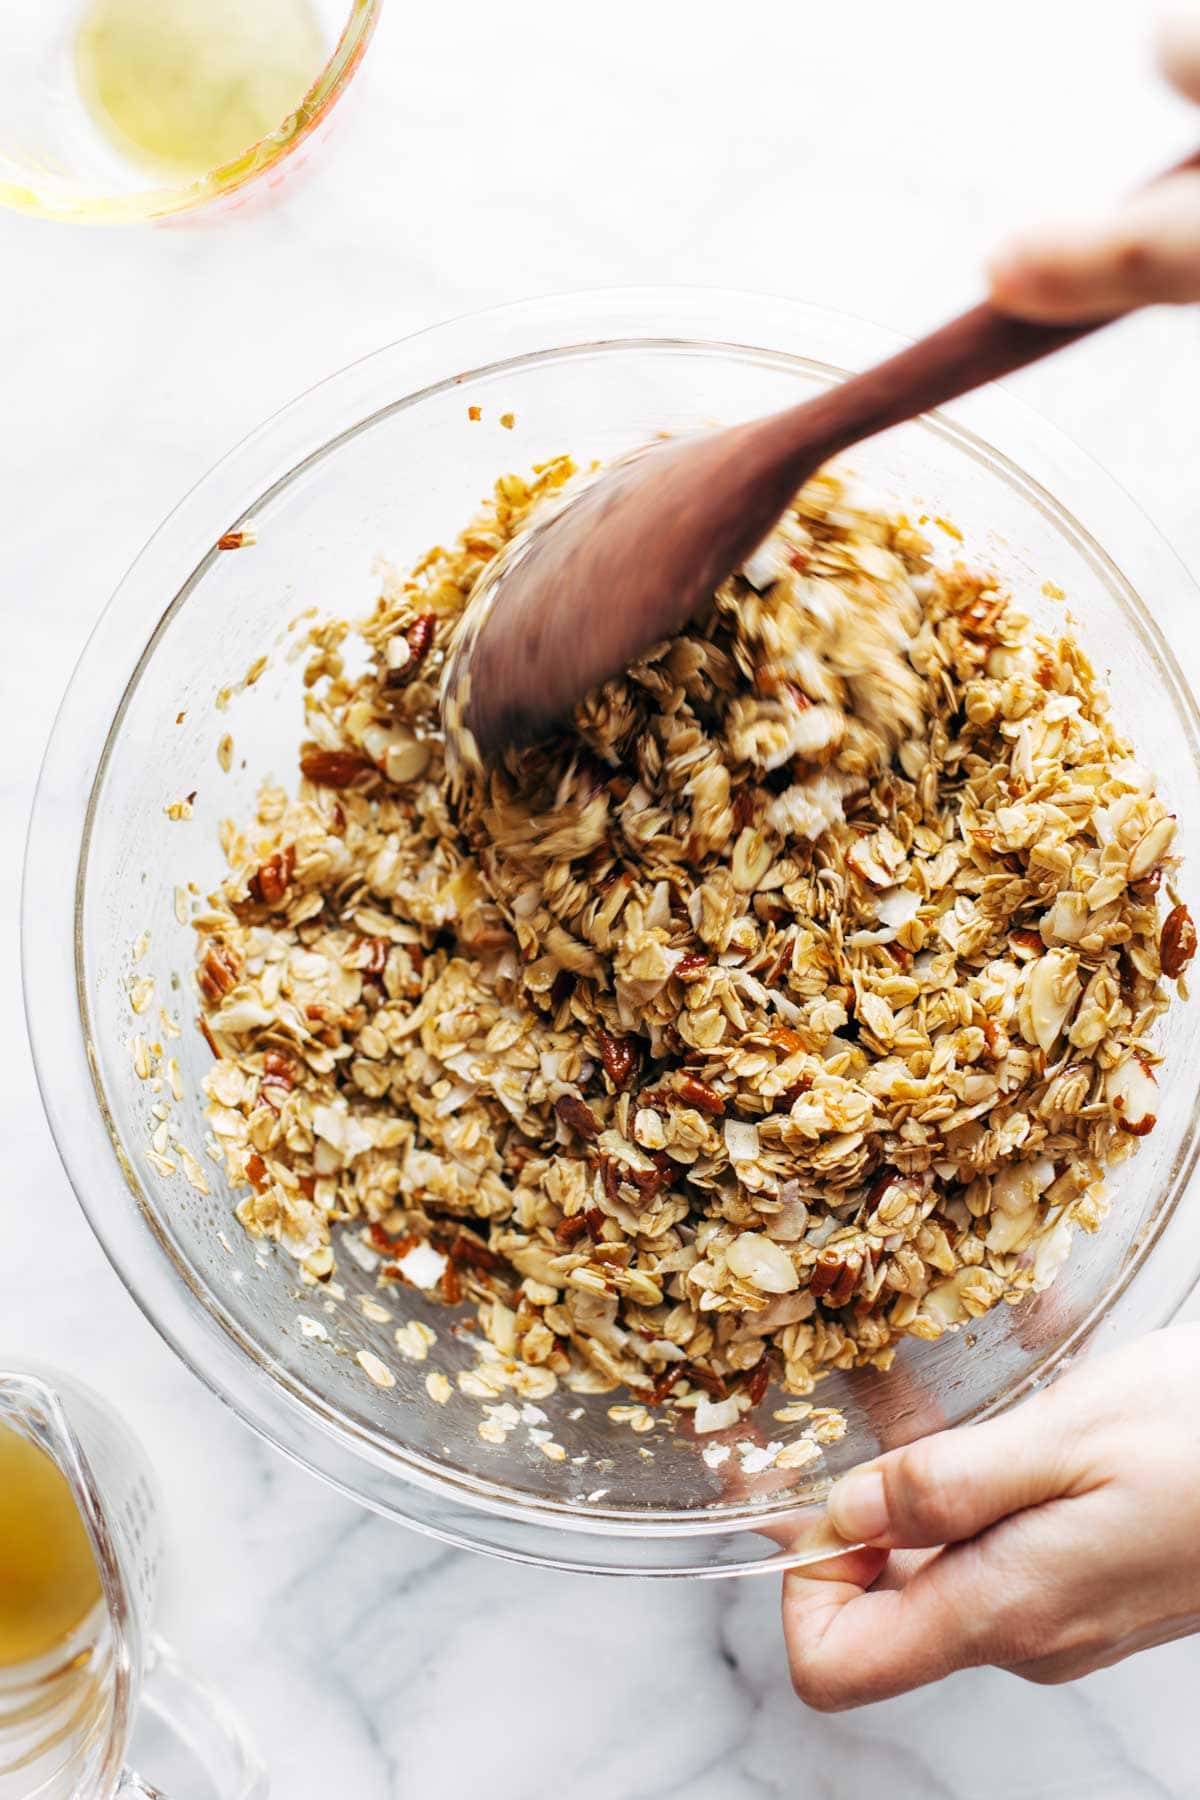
858,156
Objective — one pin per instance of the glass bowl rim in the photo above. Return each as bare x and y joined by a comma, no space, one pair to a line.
281,1408
227,178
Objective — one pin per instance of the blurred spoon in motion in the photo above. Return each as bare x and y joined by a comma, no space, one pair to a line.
629,559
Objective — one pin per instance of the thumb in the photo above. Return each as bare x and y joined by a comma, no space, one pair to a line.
952,1486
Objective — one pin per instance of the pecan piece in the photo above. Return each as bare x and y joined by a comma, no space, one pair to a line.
785,1101
333,768
760,1378
835,1276
450,1287
417,642
691,966
376,956
577,1115
878,1186
271,880
619,1056
219,973
665,1382
277,1081
1177,945
705,1378
705,1099
470,1251
568,1230
388,1246
745,805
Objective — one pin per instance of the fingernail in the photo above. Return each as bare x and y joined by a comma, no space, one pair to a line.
857,1507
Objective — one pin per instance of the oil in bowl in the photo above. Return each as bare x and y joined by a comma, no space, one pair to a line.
185,86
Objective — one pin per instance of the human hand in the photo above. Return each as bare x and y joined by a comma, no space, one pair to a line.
1147,250
1053,1540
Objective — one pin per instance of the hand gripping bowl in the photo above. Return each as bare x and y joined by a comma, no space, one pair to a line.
382,460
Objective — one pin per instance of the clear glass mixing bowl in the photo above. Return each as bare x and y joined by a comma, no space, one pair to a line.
383,460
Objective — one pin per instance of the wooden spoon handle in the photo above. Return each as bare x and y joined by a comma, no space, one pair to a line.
976,347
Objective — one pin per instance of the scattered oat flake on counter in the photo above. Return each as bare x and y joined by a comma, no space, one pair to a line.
178,810
225,752
378,1370
312,1328
438,1387
371,1309
140,947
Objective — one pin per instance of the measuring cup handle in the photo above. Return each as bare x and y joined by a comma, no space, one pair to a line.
185,1714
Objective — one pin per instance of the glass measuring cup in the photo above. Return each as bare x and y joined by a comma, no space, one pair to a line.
57,158
67,1718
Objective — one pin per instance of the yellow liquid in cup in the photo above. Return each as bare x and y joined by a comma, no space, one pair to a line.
187,85
49,1581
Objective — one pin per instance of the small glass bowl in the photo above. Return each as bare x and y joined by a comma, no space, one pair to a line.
57,163
384,460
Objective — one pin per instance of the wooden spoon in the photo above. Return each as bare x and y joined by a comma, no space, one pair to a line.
632,557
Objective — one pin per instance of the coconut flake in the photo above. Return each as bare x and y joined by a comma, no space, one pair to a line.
715,1415
741,1140
765,565
897,906
422,1265
755,1458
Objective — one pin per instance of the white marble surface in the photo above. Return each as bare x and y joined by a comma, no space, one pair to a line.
861,155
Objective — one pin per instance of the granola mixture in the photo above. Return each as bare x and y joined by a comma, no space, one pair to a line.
794,1000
